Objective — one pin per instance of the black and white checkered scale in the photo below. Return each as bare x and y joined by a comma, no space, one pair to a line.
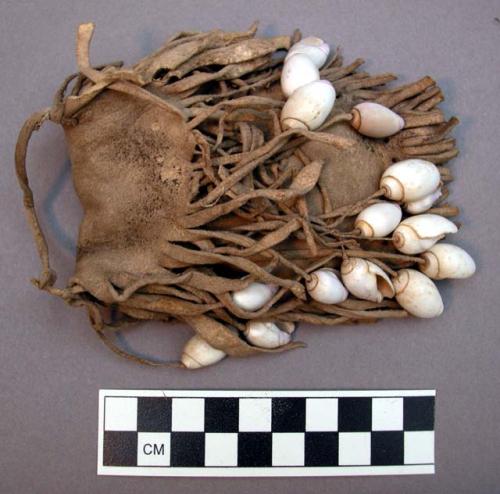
263,432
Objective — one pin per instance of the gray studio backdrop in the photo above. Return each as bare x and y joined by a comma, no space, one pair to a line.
52,365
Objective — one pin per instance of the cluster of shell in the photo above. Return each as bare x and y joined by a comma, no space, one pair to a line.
413,184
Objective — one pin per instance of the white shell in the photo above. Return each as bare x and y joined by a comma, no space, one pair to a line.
447,261
374,120
417,294
266,334
378,220
366,280
423,204
418,233
325,287
198,353
298,71
410,180
309,106
254,296
314,48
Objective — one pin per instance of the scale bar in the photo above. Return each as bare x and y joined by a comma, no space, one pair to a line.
256,433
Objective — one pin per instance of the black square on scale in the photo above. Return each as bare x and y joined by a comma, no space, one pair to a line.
221,414
321,449
355,414
387,448
120,449
255,449
187,449
154,414
288,415
418,413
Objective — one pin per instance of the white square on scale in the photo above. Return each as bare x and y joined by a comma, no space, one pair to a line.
153,449
387,414
120,413
188,414
354,448
288,449
255,414
322,414
419,447
221,449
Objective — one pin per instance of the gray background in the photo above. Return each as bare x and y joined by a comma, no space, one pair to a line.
52,365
